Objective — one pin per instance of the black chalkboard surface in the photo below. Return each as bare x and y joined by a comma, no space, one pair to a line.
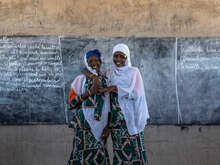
31,80
181,77
155,58
199,80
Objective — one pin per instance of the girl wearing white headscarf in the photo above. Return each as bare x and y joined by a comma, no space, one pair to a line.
90,117
129,111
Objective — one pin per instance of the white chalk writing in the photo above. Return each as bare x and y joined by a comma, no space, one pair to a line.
200,61
29,64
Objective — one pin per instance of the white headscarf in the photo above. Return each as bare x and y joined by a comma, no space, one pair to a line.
79,87
124,49
131,95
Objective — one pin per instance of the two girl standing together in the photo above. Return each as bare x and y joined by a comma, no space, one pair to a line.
111,102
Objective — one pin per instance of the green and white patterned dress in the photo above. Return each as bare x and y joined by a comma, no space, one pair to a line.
86,150
127,150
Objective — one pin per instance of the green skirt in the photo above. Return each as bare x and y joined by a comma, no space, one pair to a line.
86,149
128,150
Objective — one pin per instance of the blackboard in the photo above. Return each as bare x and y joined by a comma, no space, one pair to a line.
181,76
199,80
155,58
31,80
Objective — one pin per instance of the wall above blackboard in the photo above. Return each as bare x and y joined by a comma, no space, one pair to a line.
181,77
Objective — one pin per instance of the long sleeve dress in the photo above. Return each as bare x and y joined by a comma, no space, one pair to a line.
86,149
128,116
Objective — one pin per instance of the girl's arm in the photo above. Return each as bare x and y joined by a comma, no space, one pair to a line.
76,100
108,89
95,83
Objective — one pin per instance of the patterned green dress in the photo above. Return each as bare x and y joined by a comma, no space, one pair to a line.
127,149
86,149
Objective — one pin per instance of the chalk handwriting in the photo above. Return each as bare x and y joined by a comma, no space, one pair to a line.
30,64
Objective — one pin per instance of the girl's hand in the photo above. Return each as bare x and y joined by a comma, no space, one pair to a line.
105,133
96,82
93,90
112,89
95,85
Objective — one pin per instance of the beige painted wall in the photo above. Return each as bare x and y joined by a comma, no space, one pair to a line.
140,18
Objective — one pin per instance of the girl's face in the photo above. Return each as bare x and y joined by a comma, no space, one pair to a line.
94,63
119,59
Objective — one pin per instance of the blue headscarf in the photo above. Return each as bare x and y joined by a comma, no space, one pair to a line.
94,52
90,53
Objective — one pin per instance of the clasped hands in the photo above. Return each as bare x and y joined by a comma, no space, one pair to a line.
95,89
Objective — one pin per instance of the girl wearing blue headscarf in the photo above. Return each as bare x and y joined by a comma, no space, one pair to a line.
91,113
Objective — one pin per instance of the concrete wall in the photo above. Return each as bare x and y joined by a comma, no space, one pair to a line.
139,18
167,145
